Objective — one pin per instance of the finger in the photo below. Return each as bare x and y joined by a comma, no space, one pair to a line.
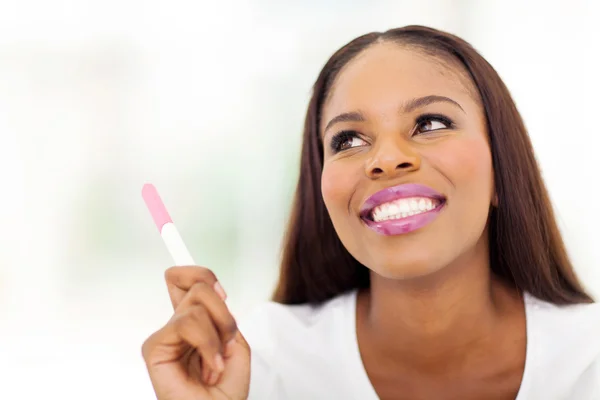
202,293
195,327
237,341
236,345
166,355
211,376
190,328
180,280
237,358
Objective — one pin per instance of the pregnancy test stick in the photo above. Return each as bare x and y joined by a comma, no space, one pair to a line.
180,254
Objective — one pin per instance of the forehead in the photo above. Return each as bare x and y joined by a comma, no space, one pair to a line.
386,75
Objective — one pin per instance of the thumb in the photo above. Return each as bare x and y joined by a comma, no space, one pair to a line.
237,364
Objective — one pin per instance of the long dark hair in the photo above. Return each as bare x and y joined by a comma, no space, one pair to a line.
526,248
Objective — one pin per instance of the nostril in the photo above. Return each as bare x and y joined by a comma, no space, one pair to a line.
404,165
377,171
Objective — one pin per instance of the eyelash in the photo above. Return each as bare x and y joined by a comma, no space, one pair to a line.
436,118
343,136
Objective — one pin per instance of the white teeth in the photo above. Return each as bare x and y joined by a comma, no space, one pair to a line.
403,208
414,205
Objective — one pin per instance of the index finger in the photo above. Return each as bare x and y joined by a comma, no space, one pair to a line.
181,279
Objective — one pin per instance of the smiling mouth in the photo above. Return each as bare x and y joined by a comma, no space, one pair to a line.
403,208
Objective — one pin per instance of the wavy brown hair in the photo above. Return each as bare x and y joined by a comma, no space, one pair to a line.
526,248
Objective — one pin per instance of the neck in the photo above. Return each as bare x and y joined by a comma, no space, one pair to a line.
433,321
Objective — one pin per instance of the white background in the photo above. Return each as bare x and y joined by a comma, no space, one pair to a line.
206,100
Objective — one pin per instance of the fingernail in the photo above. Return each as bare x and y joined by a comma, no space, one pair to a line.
205,375
220,291
219,364
209,378
214,378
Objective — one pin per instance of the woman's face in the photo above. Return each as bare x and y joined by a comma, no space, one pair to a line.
407,177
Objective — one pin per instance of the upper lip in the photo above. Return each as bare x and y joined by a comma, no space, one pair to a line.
398,192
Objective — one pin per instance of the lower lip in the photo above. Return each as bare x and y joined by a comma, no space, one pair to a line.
392,227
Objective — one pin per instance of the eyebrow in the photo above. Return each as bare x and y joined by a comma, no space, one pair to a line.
419,102
408,107
354,116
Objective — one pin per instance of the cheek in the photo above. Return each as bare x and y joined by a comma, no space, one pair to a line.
338,182
468,165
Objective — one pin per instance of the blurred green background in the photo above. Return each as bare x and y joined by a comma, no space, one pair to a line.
206,100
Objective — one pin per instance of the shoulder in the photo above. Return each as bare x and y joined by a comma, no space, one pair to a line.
272,325
295,344
566,322
564,346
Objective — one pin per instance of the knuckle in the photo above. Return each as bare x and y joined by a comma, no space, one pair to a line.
210,275
205,275
180,322
209,342
199,287
171,272
199,313
230,326
195,315
178,274
198,292
172,275
147,347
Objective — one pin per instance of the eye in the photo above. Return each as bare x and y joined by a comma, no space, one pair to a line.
431,123
346,140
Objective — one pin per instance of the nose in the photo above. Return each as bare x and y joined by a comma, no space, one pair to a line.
392,160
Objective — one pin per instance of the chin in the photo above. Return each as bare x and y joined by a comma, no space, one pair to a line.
405,272
404,269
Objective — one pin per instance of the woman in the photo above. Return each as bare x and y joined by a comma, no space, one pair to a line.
422,259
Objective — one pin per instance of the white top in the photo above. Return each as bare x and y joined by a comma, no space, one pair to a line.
311,353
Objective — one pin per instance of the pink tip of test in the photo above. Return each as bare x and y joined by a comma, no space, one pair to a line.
155,206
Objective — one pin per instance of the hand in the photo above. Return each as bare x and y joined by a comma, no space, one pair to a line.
199,354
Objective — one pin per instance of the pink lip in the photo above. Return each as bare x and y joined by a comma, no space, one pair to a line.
403,225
